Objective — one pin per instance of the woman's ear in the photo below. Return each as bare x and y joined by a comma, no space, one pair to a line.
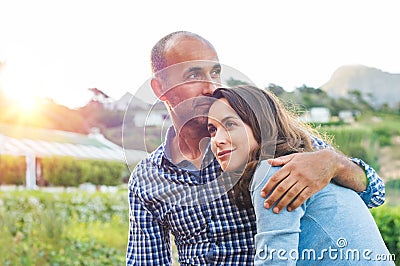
157,89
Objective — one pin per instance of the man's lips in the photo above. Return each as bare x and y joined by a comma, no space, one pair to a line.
203,102
202,105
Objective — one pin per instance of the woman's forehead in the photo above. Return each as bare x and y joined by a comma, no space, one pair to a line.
220,109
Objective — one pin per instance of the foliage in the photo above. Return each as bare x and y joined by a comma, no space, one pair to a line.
12,169
355,142
365,138
80,228
384,136
392,194
39,228
357,98
231,82
67,171
275,89
64,171
305,97
393,184
388,221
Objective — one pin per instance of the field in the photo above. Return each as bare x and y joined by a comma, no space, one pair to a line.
81,228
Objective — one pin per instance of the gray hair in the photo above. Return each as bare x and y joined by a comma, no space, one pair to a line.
158,52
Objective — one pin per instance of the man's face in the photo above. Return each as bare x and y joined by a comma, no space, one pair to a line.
192,75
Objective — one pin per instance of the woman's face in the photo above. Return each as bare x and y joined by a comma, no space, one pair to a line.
231,139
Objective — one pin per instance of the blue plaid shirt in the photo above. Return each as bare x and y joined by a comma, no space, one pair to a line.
208,228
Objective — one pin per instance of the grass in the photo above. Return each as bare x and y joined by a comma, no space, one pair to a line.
39,228
80,228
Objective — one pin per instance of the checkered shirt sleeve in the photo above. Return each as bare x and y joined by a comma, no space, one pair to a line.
149,241
374,195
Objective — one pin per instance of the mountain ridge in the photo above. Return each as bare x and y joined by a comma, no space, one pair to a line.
377,86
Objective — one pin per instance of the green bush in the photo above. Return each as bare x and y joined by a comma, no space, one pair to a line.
64,171
384,135
39,228
393,184
388,221
68,171
12,170
81,228
355,142
343,136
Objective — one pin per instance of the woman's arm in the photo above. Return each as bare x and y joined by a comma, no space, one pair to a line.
277,237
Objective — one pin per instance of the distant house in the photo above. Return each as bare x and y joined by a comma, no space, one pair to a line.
143,113
126,100
156,115
348,116
36,143
316,115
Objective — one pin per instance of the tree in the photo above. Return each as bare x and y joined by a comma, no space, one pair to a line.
357,97
231,82
275,89
99,96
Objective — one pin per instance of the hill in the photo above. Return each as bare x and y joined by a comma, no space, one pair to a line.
46,114
376,86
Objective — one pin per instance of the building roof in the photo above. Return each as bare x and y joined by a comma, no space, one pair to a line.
22,141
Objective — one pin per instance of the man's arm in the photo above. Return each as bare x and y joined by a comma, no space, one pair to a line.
148,242
374,195
303,174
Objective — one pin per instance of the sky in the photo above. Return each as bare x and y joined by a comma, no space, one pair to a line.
58,49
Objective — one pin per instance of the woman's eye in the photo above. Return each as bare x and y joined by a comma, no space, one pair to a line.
229,124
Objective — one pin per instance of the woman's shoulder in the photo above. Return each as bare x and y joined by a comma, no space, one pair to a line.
262,174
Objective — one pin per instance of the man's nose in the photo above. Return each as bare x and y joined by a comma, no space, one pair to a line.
209,87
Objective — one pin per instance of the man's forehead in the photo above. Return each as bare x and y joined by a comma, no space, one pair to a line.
186,49
194,65
200,64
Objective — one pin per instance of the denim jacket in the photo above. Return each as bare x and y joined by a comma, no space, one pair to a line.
333,227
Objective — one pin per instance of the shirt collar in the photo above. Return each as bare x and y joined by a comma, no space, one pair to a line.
184,164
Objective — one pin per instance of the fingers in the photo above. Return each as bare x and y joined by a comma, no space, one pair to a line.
281,160
291,195
273,182
301,198
295,181
283,194
294,197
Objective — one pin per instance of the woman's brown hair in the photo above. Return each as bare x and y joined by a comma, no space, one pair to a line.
275,129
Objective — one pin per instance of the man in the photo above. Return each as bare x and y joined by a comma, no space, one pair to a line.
164,192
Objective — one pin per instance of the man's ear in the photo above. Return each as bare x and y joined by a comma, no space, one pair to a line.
157,89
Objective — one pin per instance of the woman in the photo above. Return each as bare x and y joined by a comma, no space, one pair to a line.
247,126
